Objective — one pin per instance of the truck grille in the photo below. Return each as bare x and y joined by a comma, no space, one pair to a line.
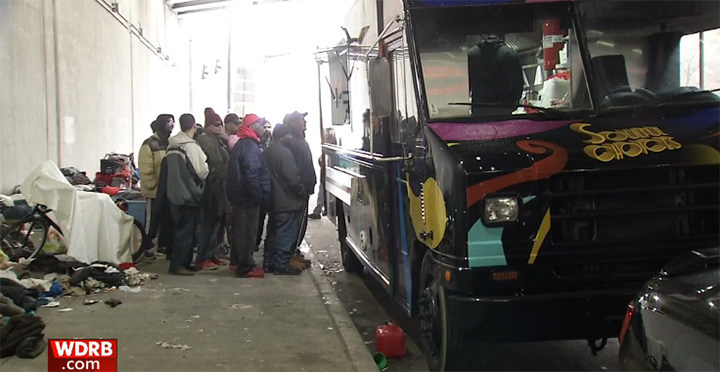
653,207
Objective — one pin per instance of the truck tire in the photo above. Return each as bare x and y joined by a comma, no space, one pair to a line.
436,333
350,262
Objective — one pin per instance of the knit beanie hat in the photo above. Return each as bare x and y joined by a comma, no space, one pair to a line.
211,117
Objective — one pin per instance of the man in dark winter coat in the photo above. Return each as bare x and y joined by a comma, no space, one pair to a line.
248,187
212,206
304,161
288,199
301,150
265,140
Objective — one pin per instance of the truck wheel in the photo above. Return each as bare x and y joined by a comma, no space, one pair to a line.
350,262
435,330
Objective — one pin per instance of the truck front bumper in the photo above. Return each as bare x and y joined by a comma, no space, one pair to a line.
540,317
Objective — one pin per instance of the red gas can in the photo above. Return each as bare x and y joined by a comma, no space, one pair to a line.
390,340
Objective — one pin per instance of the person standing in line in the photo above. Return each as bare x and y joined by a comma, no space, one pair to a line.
266,137
287,200
232,125
198,130
162,213
186,171
212,206
265,140
303,159
248,188
150,156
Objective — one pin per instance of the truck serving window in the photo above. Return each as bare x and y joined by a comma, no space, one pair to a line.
500,60
645,52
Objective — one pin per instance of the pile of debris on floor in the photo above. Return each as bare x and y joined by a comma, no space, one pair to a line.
30,284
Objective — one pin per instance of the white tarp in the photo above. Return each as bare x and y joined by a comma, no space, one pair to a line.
94,228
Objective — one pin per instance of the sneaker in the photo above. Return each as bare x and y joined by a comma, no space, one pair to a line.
150,255
220,261
208,265
287,271
314,216
255,273
296,263
232,268
268,269
182,272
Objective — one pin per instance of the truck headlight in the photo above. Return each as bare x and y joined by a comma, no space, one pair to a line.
498,210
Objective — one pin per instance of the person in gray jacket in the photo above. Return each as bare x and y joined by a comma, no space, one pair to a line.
287,198
304,161
187,170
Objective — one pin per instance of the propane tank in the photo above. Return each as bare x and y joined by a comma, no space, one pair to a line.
552,43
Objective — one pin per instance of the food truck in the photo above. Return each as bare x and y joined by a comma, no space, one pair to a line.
514,170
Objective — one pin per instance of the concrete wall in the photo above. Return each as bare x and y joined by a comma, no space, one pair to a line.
23,91
76,83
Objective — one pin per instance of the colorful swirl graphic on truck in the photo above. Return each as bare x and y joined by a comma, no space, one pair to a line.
542,169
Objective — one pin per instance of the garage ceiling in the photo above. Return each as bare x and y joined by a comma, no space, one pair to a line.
183,7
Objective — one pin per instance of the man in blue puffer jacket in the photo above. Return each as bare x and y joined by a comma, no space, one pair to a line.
248,188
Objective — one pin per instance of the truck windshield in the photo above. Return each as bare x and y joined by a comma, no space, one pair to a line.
651,52
500,60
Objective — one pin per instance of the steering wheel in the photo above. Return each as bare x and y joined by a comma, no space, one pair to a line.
632,89
625,92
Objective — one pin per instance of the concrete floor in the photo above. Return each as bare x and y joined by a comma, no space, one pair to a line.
279,323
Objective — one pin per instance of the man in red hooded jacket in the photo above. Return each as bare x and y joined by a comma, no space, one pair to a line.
248,188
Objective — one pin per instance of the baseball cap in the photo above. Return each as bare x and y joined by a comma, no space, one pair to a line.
289,118
250,119
281,131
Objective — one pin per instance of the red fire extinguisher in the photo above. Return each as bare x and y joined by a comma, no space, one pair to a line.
390,340
552,43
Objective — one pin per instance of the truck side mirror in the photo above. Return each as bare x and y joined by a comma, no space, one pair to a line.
380,89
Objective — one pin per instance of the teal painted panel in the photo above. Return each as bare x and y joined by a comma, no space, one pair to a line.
485,244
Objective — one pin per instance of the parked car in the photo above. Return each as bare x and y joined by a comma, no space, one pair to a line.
673,324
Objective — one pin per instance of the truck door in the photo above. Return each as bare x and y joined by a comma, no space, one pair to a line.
404,134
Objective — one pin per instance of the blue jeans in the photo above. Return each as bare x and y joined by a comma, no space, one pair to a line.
320,200
270,249
286,227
